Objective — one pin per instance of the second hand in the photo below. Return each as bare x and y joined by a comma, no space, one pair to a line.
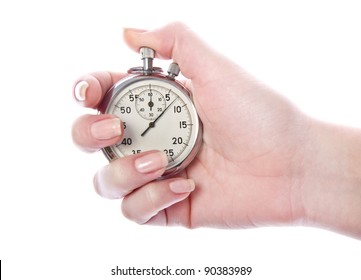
152,124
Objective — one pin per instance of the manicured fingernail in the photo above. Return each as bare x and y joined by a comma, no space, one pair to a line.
151,162
80,90
182,186
106,129
135,30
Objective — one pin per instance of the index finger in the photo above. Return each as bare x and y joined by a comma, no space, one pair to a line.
178,42
89,89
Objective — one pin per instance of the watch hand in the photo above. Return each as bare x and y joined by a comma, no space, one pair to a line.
152,124
150,103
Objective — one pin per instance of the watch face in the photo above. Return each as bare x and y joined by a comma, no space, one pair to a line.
158,114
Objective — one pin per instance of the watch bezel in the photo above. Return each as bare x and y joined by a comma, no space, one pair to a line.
133,78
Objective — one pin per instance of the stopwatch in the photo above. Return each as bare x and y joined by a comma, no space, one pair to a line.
157,113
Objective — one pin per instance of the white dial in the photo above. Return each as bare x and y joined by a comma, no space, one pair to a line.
157,114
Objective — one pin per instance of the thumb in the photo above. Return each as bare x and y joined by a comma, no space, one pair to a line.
176,41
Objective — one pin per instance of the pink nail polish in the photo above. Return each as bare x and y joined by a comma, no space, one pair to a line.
135,30
80,90
151,162
106,129
182,186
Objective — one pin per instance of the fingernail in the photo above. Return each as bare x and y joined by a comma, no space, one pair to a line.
106,129
182,186
151,162
80,90
136,30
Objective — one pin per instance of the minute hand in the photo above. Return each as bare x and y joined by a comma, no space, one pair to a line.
152,124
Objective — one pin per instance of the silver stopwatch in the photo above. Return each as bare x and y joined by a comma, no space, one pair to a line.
157,113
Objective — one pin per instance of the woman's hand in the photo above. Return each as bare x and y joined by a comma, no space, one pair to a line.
250,170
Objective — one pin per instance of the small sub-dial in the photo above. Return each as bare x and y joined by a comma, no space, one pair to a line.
150,104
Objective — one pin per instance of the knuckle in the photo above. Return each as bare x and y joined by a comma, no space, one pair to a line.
178,25
151,197
142,208
125,209
128,212
106,186
80,134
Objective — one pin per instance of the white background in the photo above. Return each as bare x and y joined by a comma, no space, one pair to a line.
54,226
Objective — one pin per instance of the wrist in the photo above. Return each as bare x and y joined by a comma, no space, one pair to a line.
330,193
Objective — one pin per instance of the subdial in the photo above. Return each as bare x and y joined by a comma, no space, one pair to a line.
150,104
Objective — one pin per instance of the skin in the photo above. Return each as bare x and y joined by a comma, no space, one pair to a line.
262,161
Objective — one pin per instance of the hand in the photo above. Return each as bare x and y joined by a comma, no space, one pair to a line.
250,170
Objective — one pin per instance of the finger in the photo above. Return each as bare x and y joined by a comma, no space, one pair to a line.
88,90
124,175
180,43
147,203
90,133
